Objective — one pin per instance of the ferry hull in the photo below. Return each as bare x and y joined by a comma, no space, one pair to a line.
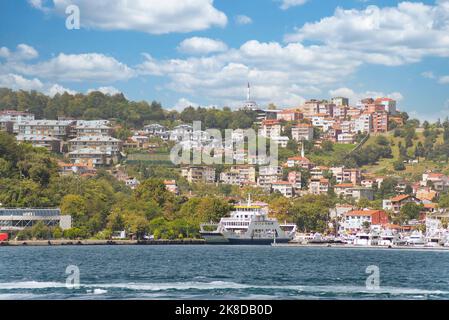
216,238
256,241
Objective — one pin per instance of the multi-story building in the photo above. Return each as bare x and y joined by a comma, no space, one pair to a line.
301,162
89,129
50,143
396,203
295,179
346,138
196,174
389,105
438,181
90,157
343,189
340,101
16,117
326,108
289,115
358,193
356,220
340,111
182,132
302,131
155,129
318,172
269,174
323,121
109,145
284,187
310,107
380,122
61,129
353,112
238,175
270,128
342,174
363,123
318,186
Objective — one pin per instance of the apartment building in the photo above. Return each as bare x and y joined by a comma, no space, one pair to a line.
318,186
346,138
302,131
340,101
105,144
91,129
356,220
50,143
284,187
342,174
389,105
61,129
238,175
363,123
301,162
269,174
90,157
15,117
380,122
295,179
270,128
199,174
289,115
396,203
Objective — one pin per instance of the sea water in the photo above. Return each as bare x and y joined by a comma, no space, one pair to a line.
221,272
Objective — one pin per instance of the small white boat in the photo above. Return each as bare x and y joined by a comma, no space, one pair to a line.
416,239
366,239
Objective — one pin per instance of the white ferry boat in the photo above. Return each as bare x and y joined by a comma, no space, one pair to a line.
248,224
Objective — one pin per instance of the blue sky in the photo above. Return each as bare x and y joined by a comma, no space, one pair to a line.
203,52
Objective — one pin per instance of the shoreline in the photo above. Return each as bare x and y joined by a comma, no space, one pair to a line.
41,243
196,242
349,246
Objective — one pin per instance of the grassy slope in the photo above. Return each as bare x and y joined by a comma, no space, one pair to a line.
413,171
327,157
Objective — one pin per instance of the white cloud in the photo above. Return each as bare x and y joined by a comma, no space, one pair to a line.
109,90
243,19
355,97
56,88
389,36
443,80
428,75
74,68
17,82
286,4
278,74
22,52
150,16
199,45
183,103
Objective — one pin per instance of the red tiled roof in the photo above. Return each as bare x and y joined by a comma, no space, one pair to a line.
344,185
361,212
400,197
